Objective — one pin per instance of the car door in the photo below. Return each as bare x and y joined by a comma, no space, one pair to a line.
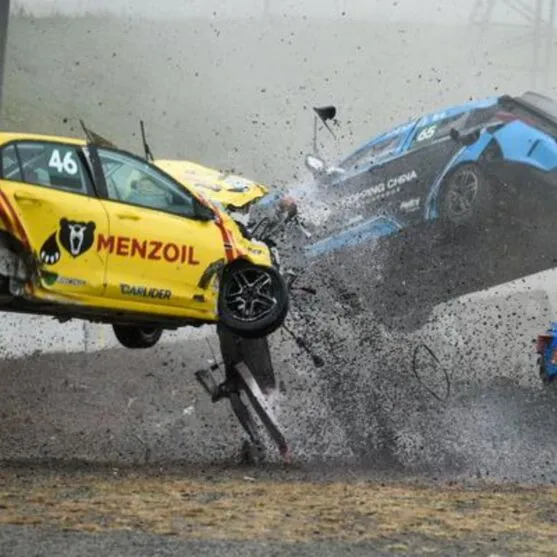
398,184
48,197
370,181
158,250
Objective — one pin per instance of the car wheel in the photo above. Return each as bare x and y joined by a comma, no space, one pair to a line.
253,300
465,196
137,337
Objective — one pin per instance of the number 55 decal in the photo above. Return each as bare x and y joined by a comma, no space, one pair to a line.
67,165
426,133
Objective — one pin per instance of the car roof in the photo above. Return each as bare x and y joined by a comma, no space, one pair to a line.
456,109
7,137
405,127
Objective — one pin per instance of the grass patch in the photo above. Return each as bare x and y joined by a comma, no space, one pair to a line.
522,518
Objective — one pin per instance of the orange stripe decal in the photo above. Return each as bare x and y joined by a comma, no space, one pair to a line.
18,225
5,218
228,251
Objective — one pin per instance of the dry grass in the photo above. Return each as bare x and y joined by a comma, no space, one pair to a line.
524,519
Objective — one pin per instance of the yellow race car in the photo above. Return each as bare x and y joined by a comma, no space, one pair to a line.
93,232
235,194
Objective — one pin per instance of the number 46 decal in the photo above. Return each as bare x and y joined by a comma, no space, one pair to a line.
67,165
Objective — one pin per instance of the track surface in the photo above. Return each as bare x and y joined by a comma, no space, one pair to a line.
365,409
281,513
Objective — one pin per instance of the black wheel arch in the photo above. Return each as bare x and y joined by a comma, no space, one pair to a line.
491,153
10,241
480,167
279,317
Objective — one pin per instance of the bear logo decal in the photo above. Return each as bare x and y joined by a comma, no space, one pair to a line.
74,236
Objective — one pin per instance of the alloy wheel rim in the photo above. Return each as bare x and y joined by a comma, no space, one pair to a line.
462,194
249,294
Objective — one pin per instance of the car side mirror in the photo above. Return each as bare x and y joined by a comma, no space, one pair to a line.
455,136
335,171
466,139
202,212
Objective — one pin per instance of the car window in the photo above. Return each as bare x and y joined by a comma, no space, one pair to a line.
54,165
133,181
372,154
10,165
430,132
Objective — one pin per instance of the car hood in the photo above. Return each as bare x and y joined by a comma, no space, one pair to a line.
227,189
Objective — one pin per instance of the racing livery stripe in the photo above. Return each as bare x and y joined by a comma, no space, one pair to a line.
19,228
235,249
226,240
5,218
19,234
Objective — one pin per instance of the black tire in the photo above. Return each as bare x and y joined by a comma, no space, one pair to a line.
253,351
466,196
135,337
232,299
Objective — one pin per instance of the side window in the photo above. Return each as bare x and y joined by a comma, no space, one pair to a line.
10,164
133,181
433,131
49,164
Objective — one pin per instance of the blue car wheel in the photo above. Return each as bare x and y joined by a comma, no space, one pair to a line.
466,195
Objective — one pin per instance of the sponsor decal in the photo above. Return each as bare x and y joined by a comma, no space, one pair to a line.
383,189
410,205
436,117
145,292
237,183
52,278
153,250
49,278
212,187
75,237
71,281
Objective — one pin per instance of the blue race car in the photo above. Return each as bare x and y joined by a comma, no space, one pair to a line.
546,347
446,204
454,165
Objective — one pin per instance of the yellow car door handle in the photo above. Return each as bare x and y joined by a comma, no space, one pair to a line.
127,216
19,196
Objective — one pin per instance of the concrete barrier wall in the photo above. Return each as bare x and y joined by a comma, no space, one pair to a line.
23,335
